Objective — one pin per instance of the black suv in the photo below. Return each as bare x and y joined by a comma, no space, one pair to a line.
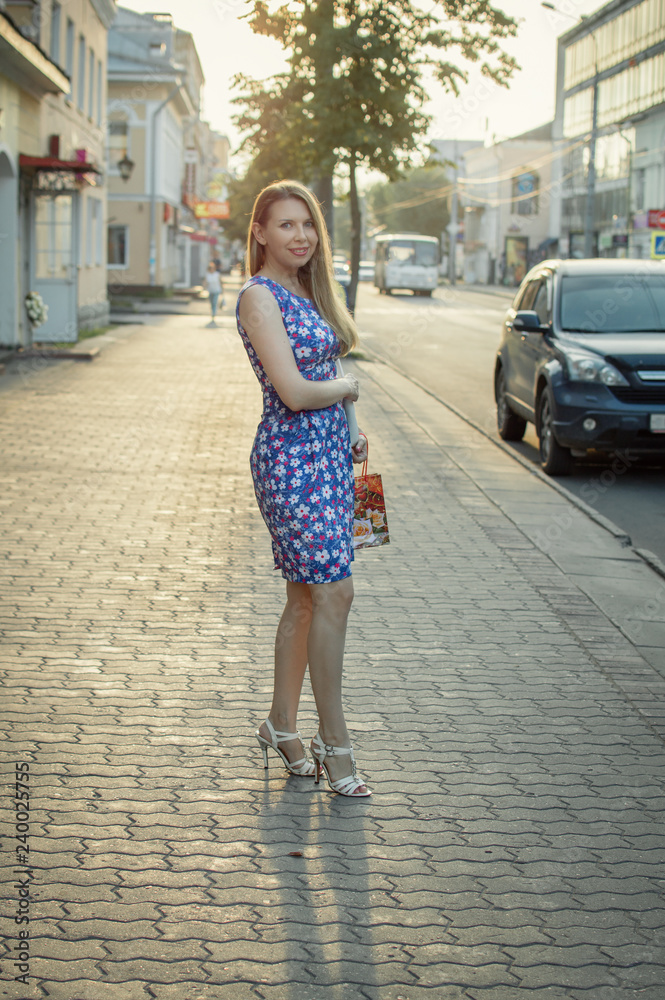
582,357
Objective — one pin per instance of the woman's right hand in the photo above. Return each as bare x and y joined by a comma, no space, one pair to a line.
353,387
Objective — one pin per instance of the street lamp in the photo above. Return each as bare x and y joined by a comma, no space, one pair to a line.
125,166
453,225
591,171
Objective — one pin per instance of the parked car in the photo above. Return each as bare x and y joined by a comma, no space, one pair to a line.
366,270
342,272
582,356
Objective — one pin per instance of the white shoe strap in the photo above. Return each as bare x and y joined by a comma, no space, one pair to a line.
280,737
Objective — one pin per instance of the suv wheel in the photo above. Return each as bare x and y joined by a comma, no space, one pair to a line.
554,459
511,427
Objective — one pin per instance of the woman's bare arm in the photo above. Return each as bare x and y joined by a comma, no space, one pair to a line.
261,318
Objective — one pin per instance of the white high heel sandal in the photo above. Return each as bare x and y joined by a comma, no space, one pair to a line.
350,783
303,767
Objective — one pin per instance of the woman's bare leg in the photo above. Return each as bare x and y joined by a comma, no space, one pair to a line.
331,603
290,666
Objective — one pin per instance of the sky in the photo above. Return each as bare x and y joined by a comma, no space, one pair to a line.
226,45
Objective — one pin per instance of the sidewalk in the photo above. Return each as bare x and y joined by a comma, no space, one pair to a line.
511,731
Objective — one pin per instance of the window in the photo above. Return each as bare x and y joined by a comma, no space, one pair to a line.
521,294
89,233
99,249
525,194
99,92
118,246
54,253
69,53
638,87
639,189
540,304
118,143
93,241
80,89
613,154
413,252
427,254
617,40
578,112
621,304
530,294
93,249
91,82
402,252
55,32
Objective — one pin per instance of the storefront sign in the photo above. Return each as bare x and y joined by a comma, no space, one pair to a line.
658,246
212,210
656,217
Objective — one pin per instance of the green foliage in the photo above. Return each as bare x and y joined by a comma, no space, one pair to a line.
242,193
417,202
96,331
354,91
342,227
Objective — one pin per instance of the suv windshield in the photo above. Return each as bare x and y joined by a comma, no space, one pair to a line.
625,303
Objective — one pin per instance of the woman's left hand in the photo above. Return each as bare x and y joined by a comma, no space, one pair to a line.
359,451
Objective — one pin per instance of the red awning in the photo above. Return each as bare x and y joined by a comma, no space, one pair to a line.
202,238
31,164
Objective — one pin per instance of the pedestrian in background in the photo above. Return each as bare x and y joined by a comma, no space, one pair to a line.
294,326
213,282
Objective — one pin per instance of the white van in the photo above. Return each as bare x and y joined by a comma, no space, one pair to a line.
406,260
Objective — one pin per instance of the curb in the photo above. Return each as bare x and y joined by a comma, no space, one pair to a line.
58,353
651,560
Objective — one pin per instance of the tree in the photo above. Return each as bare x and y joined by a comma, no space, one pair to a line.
242,194
417,202
355,88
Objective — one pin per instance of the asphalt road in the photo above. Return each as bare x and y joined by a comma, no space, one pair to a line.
448,344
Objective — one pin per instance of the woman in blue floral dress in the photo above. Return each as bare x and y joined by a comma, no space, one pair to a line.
294,327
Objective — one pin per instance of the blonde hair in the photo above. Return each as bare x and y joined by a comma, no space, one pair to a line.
317,275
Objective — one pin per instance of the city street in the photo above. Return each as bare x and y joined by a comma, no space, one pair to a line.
504,663
504,688
448,344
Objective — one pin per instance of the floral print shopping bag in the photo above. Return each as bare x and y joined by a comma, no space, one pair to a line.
370,525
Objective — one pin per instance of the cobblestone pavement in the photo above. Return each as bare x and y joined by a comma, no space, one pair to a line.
512,733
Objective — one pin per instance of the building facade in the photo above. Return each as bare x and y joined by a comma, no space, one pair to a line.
52,196
156,240
504,196
451,153
204,204
609,129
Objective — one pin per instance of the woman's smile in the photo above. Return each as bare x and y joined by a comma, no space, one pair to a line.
289,237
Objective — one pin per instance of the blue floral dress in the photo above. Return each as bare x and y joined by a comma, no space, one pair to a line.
301,460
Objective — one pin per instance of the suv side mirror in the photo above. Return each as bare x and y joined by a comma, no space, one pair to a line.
529,321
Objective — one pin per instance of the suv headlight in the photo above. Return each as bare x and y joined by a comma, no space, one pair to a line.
584,367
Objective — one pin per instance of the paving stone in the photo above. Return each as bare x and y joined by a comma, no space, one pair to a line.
627,992
512,733
93,989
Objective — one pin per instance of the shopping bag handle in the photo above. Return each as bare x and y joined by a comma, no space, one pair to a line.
363,467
